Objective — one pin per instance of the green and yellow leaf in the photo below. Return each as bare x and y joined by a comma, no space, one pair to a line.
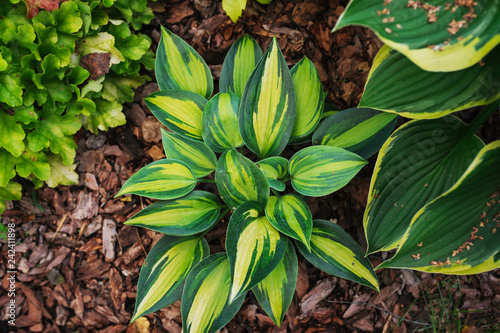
180,67
234,8
275,169
321,170
335,252
164,179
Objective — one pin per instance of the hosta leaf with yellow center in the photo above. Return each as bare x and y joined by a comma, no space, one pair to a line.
275,292
335,252
199,158
291,216
185,216
239,180
181,111
309,98
239,63
267,107
163,179
180,67
254,247
205,303
459,231
321,170
162,276
275,169
220,122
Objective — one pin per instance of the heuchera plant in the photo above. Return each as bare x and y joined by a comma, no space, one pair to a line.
45,91
234,139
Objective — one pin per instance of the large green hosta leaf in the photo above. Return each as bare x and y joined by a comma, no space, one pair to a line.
419,161
458,232
397,85
462,33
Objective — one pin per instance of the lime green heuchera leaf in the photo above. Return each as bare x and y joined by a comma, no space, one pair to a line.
254,247
67,18
234,8
358,130
397,85
419,161
52,80
321,170
60,173
120,88
181,111
164,179
7,164
164,271
309,98
103,42
436,36
179,66
11,134
107,114
333,251
205,301
198,157
275,169
275,292
456,233
291,216
184,216
267,107
12,191
130,46
220,122
35,163
239,63
239,180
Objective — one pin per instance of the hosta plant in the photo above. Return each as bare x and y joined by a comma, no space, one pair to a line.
234,139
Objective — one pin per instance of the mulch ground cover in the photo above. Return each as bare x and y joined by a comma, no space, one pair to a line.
78,264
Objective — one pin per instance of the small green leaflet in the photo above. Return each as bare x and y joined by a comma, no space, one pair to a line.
233,8
163,273
164,179
275,169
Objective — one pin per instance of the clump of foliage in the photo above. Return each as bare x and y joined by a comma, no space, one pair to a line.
239,134
46,91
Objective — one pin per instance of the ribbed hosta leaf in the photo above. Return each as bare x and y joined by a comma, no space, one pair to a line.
254,247
239,63
437,35
220,122
275,169
163,179
458,232
395,84
205,303
181,111
198,157
321,170
180,67
275,292
335,252
162,276
419,161
267,107
184,216
361,131
239,180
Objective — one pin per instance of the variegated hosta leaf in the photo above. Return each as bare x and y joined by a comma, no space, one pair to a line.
329,110
359,130
275,292
163,273
205,303
181,111
275,169
321,170
437,36
291,216
233,8
267,107
198,157
335,252
163,179
239,63
220,122
189,215
239,180
254,247
459,231
397,85
180,67
309,98
419,161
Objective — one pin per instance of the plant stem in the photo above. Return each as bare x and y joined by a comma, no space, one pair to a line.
206,180
482,117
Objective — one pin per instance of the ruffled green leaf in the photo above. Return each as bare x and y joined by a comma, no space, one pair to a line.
35,163
233,8
11,134
103,42
275,169
60,173
7,164
120,88
107,114
12,191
